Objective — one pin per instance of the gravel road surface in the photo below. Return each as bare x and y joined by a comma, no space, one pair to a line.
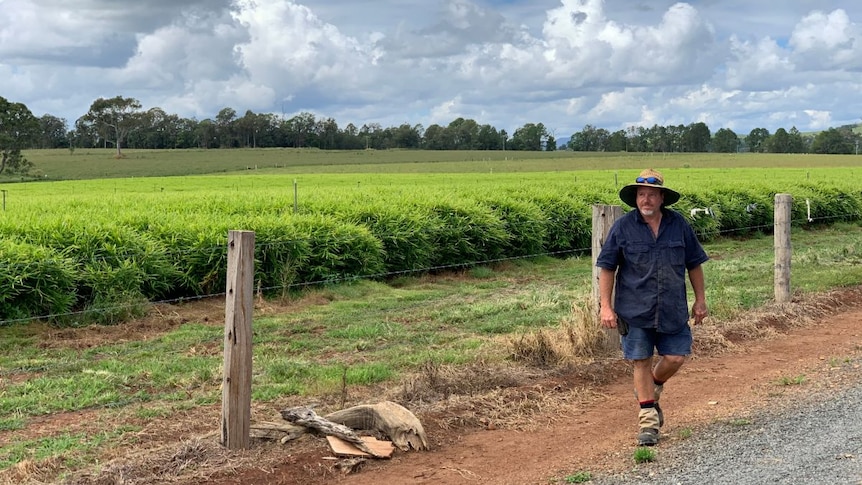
816,440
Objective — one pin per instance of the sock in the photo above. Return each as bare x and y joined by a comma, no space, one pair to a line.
647,404
657,382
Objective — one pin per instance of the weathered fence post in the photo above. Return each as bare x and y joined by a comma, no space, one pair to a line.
239,304
603,218
783,251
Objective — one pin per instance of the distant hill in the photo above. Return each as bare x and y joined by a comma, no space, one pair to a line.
857,128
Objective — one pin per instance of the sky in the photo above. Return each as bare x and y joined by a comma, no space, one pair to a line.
611,64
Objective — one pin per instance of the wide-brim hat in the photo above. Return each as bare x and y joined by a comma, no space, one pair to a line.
648,178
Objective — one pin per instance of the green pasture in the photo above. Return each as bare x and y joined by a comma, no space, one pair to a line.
101,163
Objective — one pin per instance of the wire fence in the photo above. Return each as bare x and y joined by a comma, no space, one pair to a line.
222,249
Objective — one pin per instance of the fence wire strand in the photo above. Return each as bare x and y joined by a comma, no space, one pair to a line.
222,250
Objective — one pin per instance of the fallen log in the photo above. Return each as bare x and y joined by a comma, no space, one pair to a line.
283,432
305,416
387,417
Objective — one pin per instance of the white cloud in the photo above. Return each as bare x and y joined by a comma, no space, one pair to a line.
586,47
289,44
445,112
18,38
564,63
755,66
827,41
618,104
819,120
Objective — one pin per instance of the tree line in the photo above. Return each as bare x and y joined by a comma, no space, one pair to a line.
122,122
697,137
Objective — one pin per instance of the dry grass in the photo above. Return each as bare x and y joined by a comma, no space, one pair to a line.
29,471
512,408
549,370
191,461
437,382
578,339
771,320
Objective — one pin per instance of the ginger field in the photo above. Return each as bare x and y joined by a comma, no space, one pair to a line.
77,247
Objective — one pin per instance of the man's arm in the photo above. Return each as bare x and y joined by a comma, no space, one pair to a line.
698,285
606,289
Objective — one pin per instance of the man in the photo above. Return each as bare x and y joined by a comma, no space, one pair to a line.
648,251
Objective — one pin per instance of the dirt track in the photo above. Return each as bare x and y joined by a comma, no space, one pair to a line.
599,437
594,434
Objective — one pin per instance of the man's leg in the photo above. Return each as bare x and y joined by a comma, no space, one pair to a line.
638,347
672,351
666,367
643,377
648,417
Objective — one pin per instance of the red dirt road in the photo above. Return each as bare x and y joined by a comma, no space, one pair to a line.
599,437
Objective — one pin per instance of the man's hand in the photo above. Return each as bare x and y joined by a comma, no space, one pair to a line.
699,311
608,316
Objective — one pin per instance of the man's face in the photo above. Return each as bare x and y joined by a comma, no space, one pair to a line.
649,200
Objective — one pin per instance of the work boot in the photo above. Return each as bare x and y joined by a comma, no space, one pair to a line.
649,425
656,395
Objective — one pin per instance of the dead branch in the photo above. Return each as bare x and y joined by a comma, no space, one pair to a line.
283,432
387,417
305,416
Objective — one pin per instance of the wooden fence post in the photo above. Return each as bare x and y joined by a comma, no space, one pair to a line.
783,251
603,218
239,304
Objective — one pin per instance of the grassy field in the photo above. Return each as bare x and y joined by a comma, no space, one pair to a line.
113,242
337,343
100,163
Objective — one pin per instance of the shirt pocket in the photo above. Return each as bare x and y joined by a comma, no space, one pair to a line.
638,255
674,255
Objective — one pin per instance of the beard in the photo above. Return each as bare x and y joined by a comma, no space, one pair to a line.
647,212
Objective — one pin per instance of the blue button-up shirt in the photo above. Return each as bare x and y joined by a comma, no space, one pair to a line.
650,282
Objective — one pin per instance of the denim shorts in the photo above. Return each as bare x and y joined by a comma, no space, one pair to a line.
640,343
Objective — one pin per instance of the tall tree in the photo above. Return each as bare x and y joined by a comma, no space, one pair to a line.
464,134
157,129
797,141
301,130
779,142
52,132
351,139
834,141
226,128
489,138
590,139
206,134
436,138
327,133
636,136
617,141
529,137
115,118
407,136
697,137
726,141
756,140
18,128
657,139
